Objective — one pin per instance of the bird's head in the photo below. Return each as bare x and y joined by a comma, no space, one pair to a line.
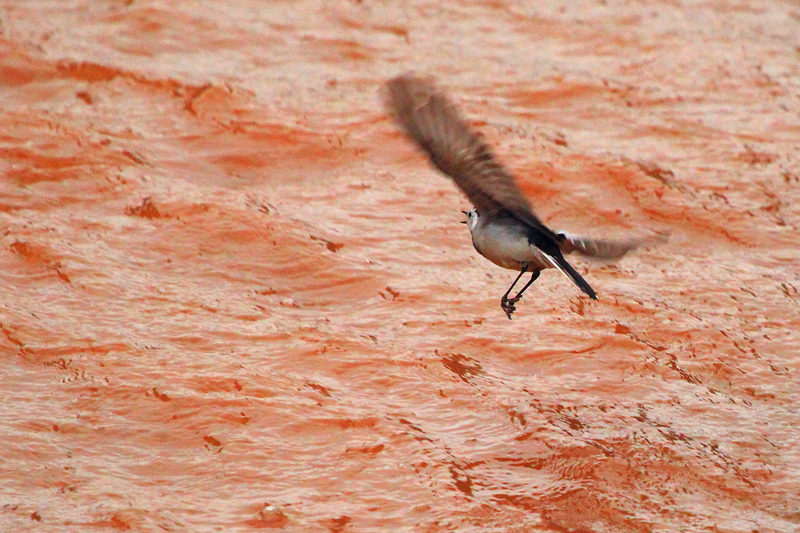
472,218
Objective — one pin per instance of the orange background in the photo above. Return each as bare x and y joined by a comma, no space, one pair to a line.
234,296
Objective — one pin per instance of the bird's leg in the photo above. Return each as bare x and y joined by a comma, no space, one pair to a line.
534,275
505,303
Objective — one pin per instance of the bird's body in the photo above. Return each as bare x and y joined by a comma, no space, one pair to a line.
504,241
504,228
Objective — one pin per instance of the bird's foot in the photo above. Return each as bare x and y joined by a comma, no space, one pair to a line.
509,306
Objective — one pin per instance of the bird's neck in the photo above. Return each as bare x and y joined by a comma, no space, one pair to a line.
474,223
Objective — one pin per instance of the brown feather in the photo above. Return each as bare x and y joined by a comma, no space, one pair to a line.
605,248
434,123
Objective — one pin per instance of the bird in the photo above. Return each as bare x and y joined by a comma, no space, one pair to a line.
502,223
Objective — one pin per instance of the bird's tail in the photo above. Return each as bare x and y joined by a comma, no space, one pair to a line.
561,264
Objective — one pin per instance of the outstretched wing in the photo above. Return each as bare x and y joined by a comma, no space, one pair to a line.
434,123
597,248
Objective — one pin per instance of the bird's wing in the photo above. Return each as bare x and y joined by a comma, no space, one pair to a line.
434,123
597,248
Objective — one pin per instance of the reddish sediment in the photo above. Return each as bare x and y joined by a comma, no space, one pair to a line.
235,297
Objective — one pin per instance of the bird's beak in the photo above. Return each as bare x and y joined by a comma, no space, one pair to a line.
466,213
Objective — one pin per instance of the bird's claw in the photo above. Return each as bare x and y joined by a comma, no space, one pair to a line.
509,306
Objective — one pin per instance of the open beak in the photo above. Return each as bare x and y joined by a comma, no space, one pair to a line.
466,213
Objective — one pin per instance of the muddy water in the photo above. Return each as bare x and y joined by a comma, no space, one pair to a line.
234,297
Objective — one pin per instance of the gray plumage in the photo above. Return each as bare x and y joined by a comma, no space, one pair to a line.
504,227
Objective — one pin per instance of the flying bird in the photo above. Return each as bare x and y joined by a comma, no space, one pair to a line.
503,225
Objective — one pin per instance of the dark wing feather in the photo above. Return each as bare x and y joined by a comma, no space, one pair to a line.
434,123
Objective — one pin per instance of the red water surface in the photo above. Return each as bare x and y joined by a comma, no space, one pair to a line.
235,297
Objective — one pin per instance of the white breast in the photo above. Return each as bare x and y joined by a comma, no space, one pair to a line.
504,242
